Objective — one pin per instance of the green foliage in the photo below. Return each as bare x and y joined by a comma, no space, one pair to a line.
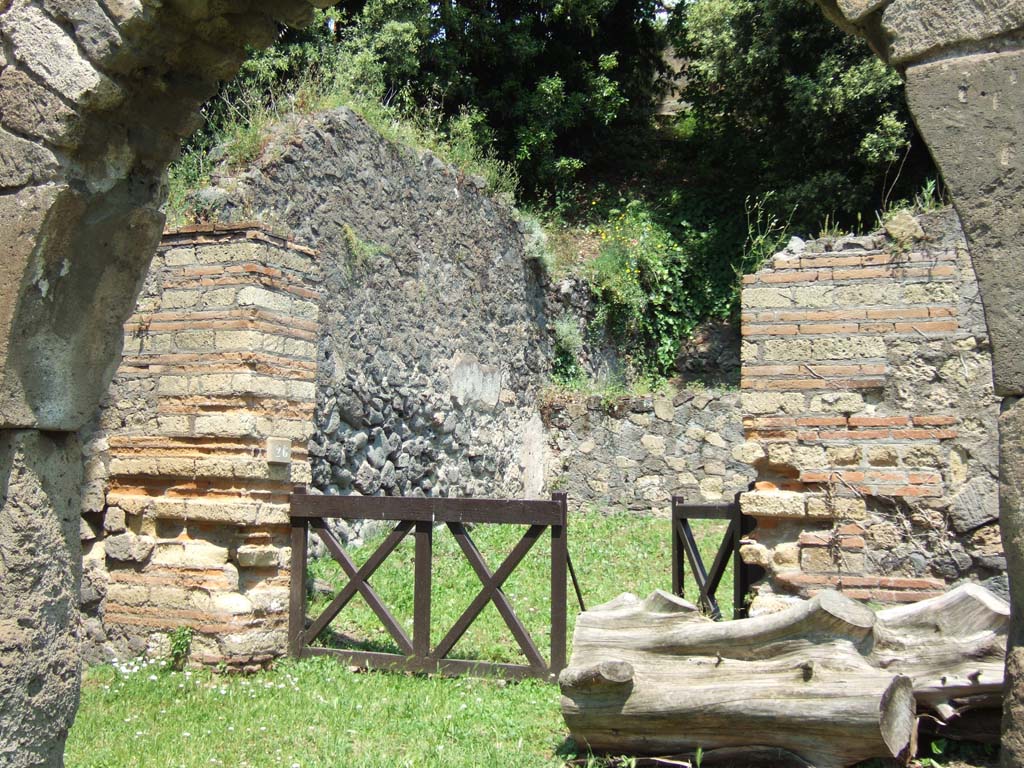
565,365
783,100
358,253
309,71
766,234
535,85
548,81
931,196
650,292
180,646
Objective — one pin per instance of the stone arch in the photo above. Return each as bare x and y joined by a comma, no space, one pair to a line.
95,98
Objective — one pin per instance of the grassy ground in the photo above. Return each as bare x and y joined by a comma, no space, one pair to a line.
318,713
612,554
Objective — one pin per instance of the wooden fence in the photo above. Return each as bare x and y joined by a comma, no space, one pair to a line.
419,516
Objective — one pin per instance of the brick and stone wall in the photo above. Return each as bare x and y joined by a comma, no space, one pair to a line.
185,512
870,417
403,357
433,342
636,453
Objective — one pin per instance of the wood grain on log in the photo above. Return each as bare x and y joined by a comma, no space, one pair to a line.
827,679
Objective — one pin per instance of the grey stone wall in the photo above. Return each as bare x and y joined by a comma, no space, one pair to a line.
636,453
433,340
94,100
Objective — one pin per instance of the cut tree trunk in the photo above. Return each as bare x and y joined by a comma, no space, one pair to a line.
826,679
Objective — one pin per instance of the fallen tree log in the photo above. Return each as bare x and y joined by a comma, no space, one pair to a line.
953,647
827,679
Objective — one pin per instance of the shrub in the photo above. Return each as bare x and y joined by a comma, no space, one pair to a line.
565,365
640,278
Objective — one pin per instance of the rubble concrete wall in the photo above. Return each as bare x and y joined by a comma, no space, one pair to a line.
434,342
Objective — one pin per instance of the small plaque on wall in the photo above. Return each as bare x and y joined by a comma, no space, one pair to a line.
279,450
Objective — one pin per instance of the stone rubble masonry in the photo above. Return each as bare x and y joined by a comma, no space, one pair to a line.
432,347
184,520
636,453
869,415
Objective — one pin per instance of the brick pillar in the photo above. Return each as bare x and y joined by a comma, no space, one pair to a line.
870,416
220,358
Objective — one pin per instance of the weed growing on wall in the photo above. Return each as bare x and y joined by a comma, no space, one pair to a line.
766,234
640,279
180,647
565,364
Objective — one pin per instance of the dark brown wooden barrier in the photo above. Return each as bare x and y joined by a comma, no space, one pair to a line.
684,547
418,516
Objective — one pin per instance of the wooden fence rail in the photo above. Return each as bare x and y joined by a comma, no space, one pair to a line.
684,548
418,516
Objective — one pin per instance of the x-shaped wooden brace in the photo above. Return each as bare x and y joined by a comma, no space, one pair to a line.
491,592
358,583
707,581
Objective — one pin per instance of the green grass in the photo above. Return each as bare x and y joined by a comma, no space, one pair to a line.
612,554
314,714
318,713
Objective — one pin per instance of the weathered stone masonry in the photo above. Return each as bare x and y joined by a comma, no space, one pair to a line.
241,336
869,415
185,516
636,453
433,342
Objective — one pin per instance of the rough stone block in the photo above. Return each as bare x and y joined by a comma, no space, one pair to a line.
129,548
773,402
756,298
837,402
24,162
748,452
40,573
653,444
919,27
836,508
786,556
785,504
823,560
43,47
191,553
756,554
254,556
854,10
976,504
975,102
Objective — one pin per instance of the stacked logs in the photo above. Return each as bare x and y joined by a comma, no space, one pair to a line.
828,680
